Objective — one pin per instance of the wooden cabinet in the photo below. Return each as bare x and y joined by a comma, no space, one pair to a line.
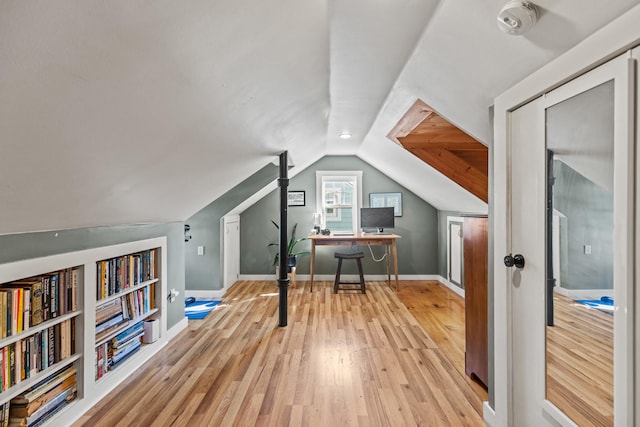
475,252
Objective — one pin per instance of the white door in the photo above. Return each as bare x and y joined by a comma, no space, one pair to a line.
526,293
455,251
527,239
231,246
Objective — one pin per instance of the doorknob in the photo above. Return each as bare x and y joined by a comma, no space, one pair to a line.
517,260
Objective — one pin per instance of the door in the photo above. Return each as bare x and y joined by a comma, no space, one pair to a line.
534,152
455,251
231,249
526,293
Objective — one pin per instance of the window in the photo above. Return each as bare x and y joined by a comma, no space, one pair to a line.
338,198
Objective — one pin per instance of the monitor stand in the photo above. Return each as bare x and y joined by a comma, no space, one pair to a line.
379,231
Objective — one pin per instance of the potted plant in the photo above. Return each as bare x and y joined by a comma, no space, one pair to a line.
292,254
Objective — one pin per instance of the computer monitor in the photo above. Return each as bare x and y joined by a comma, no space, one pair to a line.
377,219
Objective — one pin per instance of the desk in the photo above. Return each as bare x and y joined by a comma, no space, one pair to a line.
358,239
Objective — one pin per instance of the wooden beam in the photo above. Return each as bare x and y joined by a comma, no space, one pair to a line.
413,142
417,113
456,169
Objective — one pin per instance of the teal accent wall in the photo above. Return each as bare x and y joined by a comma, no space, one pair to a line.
204,273
417,249
16,247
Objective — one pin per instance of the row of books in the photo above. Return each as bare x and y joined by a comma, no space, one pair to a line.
118,274
45,399
115,313
4,414
29,302
24,358
110,354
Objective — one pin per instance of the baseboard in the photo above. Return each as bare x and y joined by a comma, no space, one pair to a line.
488,414
212,294
372,277
260,277
455,288
584,293
177,328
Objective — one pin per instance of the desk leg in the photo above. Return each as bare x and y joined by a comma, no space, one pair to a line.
387,252
395,262
313,260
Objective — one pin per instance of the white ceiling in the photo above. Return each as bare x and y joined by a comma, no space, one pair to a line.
128,111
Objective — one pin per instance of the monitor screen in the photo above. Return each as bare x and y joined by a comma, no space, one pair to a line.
378,218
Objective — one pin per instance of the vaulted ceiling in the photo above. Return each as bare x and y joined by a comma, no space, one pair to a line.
126,111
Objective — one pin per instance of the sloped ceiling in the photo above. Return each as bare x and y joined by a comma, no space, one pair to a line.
127,112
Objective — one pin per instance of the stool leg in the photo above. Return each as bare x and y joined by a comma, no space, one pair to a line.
362,288
337,280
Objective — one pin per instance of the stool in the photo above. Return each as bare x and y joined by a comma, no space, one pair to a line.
355,256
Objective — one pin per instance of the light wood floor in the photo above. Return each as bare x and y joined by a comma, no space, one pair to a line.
345,359
580,363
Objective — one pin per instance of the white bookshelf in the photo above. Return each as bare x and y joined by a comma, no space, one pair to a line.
90,390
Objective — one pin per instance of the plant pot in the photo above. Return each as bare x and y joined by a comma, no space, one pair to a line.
291,263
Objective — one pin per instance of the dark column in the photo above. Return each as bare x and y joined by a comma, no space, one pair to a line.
551,282
283,277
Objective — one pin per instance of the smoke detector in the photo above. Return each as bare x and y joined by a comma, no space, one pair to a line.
517,17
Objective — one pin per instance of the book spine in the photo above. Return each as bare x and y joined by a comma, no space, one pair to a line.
51,346
53,296
36,302
46,286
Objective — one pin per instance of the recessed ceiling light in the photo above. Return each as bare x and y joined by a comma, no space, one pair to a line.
345,135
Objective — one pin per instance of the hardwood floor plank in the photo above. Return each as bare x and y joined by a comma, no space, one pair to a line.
345,359
580,362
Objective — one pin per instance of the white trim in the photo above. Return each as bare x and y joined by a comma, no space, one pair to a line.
488,415
451,219
177,328
455,288
584,293
551,411
357,201
621,71
216,293
321,277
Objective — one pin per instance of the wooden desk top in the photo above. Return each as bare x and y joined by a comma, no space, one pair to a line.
359,237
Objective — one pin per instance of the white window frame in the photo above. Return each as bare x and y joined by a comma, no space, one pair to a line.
353,176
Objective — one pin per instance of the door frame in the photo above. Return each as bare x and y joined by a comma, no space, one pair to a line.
230,259
612,40
622,69
459,220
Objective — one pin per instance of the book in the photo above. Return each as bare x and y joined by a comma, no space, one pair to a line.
127,335
74,288
53,295
46,287
44,385
3,317
20,408
26,309
34,286
108,310
124,348
52,406
128,351
109,324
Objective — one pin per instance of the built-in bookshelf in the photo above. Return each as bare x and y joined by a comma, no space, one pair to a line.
38,318
125,290
54,331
